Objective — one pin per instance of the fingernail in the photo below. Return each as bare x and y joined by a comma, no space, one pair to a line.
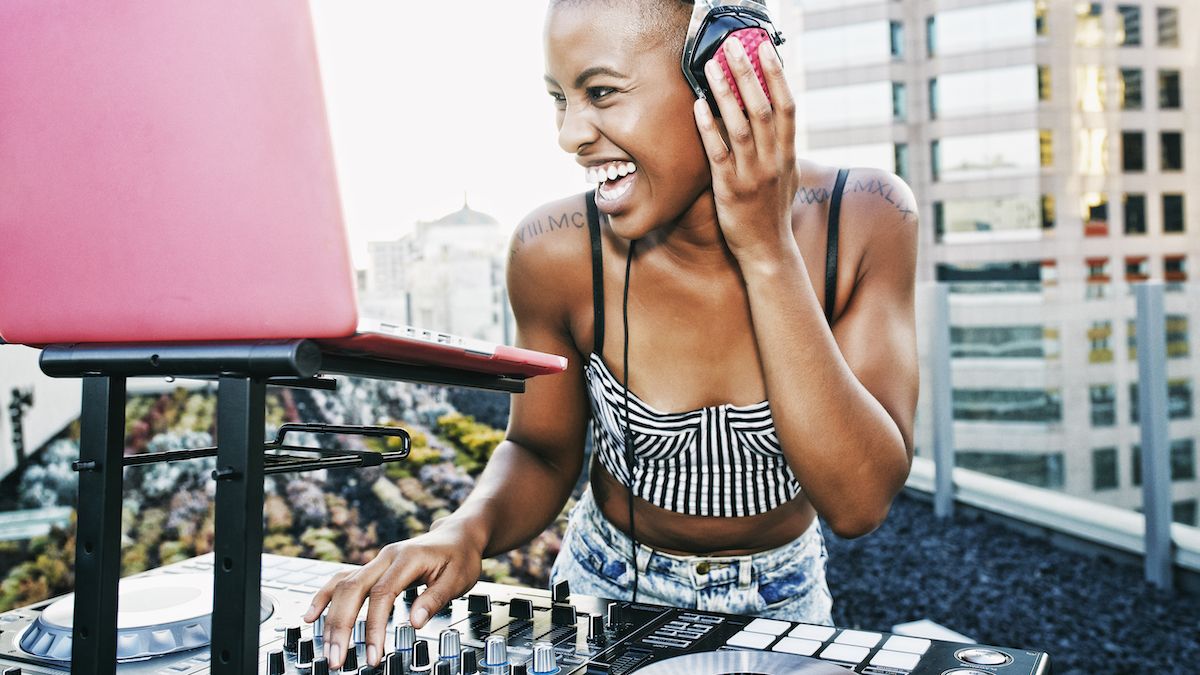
334,660
765,50
419,615
715,74
371,652
702,109
735,47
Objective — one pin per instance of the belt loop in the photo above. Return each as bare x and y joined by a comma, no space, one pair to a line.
643,557
745,572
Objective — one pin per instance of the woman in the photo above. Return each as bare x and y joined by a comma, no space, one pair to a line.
751,405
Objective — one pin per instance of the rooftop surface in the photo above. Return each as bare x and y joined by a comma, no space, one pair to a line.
1092,614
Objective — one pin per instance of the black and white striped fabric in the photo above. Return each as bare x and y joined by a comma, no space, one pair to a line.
716,461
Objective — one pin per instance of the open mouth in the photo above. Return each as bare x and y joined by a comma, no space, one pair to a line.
614,181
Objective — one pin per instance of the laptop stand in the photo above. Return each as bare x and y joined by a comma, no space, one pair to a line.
243,371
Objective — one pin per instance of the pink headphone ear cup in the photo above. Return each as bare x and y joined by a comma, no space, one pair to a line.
750,38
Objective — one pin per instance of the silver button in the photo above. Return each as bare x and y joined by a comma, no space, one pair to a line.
981,656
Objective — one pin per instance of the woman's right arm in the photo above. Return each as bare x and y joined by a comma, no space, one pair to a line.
521,491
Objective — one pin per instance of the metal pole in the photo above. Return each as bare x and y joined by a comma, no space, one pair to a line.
1152,414
98,526
237,540
943,403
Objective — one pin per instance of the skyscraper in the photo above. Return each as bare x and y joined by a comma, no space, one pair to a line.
1053,162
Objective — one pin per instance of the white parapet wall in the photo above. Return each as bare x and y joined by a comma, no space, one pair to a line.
56,402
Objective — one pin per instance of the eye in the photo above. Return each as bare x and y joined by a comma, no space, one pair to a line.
598,93
559,100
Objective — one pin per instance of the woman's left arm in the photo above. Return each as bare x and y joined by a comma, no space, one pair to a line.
843,400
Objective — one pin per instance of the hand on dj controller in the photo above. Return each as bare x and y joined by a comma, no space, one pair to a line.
445,560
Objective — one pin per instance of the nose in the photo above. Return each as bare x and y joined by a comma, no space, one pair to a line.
576,128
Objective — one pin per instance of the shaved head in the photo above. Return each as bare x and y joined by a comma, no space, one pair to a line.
662,22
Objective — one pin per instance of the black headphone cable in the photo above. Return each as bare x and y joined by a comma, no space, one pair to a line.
628,433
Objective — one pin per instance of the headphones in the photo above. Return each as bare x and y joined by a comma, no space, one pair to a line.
713,22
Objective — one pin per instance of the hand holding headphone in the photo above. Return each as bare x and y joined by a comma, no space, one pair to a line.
712,23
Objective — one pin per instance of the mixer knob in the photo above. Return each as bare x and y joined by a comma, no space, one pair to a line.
560,592
306,653
495,655
449,644
444,668
366,670
596,629
394,664
12,671
351,664
520,608
410,594
319,626
520,669
291,639
360,631
563,614
543,659
478,603
467,662
420,659
320,666
406,637
614,614
275,663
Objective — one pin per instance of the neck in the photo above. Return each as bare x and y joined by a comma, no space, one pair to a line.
694,238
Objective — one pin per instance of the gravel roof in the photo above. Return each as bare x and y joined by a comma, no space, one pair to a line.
1007,588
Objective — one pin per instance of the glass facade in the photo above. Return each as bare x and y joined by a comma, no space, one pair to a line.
998,342
1104,469
1168,27
1135,214
981,156
1037,469
986,92
1000,218
974,29
848,46
1183,460
1133,151
1038,406
1129,25
1131,88
1179,399
1171,145
1172,208
1169,96
849,106
1103,405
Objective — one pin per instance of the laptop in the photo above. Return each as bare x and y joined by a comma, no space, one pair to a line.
166,174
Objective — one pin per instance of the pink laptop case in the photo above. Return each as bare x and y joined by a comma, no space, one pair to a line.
166,173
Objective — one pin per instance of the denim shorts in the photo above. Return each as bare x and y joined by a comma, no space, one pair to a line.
782,583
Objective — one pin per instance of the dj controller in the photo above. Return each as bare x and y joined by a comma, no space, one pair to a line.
164,617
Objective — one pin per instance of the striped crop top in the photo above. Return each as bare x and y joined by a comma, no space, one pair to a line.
722,460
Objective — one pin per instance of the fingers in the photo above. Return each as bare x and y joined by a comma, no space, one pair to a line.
322,597
714,146
348,594
758,107
782,101
741,137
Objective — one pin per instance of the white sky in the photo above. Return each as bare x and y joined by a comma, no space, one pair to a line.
430,99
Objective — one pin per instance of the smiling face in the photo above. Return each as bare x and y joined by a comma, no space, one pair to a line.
624,108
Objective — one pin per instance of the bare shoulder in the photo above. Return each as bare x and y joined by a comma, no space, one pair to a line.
549,257
882,206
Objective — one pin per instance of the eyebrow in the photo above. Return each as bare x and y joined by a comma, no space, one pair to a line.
589,73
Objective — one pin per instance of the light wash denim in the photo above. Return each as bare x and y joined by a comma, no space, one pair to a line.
783,583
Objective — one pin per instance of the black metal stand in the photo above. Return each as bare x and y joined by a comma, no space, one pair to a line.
243,370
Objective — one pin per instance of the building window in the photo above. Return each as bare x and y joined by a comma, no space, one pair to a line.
1043,83
1039,470
1046,147
1008,405
1104,403
899,102
897,39
1168,27
1183,460
1131,89
1095,214
1172,150
1047,212
1179,395
1099,337
933,97
939,220
1129,25
1001,342
1104,468
1169,97
1135,214
1039,20
1172,206
900,159
1184,512
930,38
935,159
1137,268
1089,32
1177,336
1175,269
1133,151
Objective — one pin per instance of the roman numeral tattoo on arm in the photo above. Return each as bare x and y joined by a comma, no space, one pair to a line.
536,227
885,190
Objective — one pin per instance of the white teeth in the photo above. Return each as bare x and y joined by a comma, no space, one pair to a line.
612,173
615,193
632,167
623,169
